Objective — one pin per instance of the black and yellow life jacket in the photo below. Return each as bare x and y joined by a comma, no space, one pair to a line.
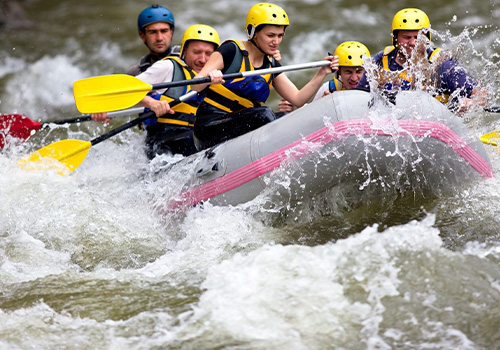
237,94
185,112
407,80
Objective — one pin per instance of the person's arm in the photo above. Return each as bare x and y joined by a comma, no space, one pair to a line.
464,90
297,97
285,106
160,107
323,91
277,55
211,69
100,117
478,98
160,72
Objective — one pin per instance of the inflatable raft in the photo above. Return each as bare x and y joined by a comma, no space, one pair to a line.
412,144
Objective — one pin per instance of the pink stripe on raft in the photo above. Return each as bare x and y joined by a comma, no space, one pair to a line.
311,142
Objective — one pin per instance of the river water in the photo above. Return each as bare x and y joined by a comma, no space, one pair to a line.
86,262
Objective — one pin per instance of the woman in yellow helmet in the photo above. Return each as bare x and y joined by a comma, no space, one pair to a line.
350,54
232,108
448,79
172,130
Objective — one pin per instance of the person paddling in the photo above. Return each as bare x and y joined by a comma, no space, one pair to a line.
235,107
447,81
172,131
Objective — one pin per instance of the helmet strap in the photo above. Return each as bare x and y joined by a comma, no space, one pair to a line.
257,46
251,32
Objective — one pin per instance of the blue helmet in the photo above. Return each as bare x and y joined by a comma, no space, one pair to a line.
153,14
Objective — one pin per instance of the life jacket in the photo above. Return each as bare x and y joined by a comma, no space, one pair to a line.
335,85
405,79
185,112
149,59
237,94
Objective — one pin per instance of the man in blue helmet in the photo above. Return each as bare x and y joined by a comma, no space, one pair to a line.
156,27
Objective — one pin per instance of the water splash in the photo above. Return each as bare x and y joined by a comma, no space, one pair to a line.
423,75
342,294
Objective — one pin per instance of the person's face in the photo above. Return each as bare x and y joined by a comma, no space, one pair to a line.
350,76
406,40
157,37
269,38
197,53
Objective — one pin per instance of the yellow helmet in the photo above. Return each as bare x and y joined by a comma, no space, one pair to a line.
351,53
264,13
410,19
200,32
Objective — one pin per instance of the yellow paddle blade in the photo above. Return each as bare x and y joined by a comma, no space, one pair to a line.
108,93
63,156
487,138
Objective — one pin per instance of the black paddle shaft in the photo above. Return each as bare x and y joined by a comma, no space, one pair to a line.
83,118
87,117
123,127
493,109
139,120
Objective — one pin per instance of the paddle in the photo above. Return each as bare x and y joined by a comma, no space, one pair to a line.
21,127
487,138
119,91
494,109
71,153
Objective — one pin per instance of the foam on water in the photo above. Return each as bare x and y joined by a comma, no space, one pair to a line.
97,206
343,294
260,295
11,65
97,228
42,86
86,260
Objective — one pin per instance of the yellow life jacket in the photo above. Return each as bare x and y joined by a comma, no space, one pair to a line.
443,98
185,112
240,93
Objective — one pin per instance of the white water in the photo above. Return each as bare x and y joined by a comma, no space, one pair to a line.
86,257
87,263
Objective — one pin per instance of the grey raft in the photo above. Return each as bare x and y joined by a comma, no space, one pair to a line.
349,138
